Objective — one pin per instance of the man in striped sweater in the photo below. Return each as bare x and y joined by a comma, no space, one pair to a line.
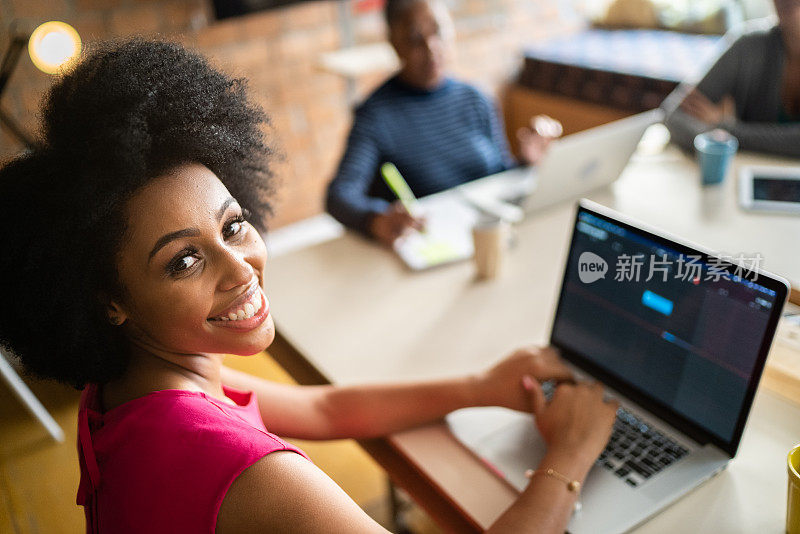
438,131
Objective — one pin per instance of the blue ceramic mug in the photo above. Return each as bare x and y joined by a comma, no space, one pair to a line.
715,150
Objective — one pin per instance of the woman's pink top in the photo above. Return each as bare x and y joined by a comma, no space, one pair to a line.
163,462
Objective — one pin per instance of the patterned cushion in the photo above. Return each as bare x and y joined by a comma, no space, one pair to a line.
627,69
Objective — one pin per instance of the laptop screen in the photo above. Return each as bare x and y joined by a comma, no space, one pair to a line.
683,333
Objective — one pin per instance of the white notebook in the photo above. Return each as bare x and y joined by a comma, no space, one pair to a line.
447,237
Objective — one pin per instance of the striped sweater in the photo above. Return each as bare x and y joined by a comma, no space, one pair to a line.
438,139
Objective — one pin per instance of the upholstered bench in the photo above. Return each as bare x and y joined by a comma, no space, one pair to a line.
597,75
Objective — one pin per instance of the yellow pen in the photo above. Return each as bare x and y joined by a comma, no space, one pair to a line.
400,187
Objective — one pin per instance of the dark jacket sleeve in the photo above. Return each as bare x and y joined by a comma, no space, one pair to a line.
715,84
768,137
724,77
348,200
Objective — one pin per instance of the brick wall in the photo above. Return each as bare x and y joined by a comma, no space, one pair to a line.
278,51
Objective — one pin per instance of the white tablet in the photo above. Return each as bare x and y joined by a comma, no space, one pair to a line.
774,189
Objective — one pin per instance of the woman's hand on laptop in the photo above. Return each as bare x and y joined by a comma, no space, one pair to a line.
576,422
502,385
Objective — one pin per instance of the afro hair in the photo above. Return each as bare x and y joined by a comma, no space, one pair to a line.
124,115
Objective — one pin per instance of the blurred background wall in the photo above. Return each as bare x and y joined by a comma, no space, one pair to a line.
279,51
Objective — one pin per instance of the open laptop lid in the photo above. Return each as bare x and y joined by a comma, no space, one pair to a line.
679,330
587,160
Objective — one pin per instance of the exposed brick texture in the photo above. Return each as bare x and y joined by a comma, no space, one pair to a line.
278,51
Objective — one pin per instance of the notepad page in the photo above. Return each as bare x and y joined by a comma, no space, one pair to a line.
447,236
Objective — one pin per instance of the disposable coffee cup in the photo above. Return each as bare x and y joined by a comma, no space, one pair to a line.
715,150
491,240
793,496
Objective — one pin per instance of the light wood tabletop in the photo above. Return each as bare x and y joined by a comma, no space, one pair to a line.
348,311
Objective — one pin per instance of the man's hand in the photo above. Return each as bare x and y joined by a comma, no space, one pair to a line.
534,139
386,227
700,107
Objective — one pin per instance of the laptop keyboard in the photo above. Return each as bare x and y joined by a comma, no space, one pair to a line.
636,451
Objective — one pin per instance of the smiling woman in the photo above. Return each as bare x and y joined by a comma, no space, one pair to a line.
120,118
132,263
203,277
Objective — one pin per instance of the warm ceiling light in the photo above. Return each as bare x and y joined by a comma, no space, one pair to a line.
53,45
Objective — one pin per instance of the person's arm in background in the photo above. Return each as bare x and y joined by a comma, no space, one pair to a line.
498,134
712,105
768,137
533,139
699,114
348,199
715,85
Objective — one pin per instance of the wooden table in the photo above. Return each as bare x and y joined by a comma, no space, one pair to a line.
348,312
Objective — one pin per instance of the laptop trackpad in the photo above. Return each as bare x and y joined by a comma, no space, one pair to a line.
510,442
506,439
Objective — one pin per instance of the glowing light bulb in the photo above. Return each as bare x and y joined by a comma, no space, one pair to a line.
54,45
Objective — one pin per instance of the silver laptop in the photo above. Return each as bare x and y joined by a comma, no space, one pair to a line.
572,167
680,336
588,160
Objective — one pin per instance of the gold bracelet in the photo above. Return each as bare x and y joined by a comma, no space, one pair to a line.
572,485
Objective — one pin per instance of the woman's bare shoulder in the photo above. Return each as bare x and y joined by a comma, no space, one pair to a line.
284,492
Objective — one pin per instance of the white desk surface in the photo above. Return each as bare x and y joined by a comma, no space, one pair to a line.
358,315
664,191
